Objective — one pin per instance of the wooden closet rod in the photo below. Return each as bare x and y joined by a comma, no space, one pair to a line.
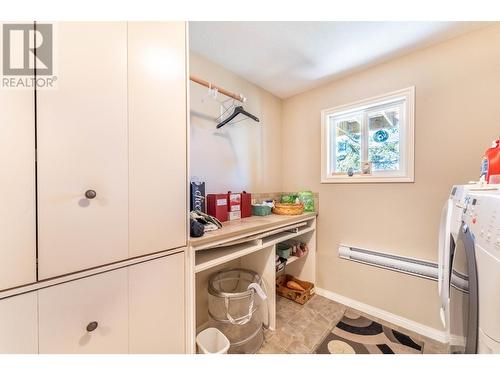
223,91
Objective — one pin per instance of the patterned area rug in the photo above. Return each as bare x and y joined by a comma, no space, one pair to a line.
355,334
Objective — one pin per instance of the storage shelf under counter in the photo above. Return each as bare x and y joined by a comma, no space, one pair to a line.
246,243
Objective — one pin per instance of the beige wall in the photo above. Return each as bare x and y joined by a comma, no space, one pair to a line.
457,96
246,156
457,116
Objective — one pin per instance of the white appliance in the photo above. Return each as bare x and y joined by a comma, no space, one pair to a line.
475,277
451,220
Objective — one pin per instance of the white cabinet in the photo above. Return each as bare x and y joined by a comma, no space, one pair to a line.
115,127
111,185
136,309
85,316
18,324
82,146
157,136
157,306
17,188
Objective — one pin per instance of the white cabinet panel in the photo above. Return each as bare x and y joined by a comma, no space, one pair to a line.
157,306
157,131
83,145
17,188
18,324
66,310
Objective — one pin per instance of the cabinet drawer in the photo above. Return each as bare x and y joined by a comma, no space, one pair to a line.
67,313
18,324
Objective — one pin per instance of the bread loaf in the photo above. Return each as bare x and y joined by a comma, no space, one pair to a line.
295,286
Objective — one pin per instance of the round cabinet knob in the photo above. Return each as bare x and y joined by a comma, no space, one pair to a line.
92,326
90,194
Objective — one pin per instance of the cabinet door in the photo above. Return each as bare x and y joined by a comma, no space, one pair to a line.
157,131
18,324
83,146
157,306
17,188
68,313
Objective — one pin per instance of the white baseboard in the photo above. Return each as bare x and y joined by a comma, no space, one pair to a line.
400,321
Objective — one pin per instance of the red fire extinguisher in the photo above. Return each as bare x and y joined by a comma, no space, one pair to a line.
490,166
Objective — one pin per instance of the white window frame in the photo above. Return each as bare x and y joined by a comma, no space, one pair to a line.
407,139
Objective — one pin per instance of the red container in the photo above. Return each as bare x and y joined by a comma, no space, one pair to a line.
217,206
490,167
246,204
233,201
234,205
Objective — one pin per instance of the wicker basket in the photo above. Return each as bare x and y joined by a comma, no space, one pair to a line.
288,208
294,295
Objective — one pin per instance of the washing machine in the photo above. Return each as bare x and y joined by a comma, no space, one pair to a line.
474,295
451,221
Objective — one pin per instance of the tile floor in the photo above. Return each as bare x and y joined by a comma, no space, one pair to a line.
299,329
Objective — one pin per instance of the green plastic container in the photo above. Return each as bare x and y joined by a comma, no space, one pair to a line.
283,250
307,198
261,210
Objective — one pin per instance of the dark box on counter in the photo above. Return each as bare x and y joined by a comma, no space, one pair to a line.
198,196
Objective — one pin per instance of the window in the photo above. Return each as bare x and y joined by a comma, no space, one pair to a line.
370,140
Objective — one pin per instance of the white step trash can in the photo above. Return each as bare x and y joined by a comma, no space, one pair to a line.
212,341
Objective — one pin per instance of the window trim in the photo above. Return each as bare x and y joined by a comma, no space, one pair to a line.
407,172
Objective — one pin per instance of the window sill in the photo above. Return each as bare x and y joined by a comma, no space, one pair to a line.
359,179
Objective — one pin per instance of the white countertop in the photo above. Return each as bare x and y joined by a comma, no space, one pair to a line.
248,226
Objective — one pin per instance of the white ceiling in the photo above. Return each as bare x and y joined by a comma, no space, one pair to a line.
287,58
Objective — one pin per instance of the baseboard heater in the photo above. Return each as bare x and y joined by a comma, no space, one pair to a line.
410,266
